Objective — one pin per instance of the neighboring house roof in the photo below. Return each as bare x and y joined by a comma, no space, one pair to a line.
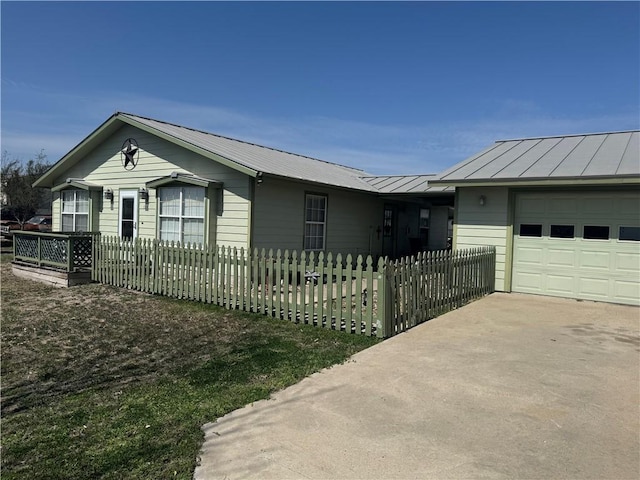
404,184
249,158
590,158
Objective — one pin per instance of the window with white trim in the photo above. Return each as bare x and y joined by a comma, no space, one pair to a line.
75,210
181,214
315,222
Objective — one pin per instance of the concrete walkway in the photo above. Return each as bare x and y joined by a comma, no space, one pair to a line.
511,386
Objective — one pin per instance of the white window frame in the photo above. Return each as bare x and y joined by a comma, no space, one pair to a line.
74,213
133,194
181,217
308,222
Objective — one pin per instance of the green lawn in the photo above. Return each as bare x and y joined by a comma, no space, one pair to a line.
99,382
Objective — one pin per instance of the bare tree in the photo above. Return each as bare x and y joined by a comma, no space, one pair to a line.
16,179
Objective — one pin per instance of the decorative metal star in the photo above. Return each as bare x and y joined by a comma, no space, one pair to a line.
129,151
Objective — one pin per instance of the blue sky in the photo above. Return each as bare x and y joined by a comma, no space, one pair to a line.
386,87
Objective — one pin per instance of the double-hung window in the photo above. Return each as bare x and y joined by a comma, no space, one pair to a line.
75,210
315,222
181,214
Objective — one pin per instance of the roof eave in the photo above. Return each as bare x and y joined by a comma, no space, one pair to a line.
560,181
76,183
108,127
189,146
184,179
420,193
366,188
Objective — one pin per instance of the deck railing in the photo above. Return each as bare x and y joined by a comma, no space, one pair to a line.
67,252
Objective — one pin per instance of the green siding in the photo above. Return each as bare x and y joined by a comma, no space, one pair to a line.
484,225
158,158
352,218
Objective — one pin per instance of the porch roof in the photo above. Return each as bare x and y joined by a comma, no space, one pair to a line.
176,177
76,183
415,184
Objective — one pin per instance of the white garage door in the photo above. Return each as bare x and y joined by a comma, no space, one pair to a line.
578,245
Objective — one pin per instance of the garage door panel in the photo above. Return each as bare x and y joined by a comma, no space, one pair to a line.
560,284
595,260
561,257
593,287
569,265
531,282
529,255
626,291
628,261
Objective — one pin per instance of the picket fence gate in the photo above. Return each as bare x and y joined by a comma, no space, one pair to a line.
352,294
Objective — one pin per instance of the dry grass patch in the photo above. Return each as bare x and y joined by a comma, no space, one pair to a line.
99,382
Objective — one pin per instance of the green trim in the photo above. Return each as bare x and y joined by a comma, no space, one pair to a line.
183,178
251,213
189,146
77,184
508,253
211,213
456,206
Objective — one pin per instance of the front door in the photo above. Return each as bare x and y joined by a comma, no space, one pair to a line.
128,218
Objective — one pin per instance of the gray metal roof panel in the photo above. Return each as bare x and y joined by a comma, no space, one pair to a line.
416,184
529,159
494,168
404,184
574,164
575,156
389,183
263,159
543,166
630,162
608,157
468,168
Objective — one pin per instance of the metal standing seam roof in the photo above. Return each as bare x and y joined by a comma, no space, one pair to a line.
582,157
404,184
263,159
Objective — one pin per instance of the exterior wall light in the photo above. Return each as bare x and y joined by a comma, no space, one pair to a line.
482,200
144,194
108,194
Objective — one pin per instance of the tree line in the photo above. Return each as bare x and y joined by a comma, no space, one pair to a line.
20,201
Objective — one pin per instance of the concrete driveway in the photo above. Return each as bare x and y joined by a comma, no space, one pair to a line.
511,386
